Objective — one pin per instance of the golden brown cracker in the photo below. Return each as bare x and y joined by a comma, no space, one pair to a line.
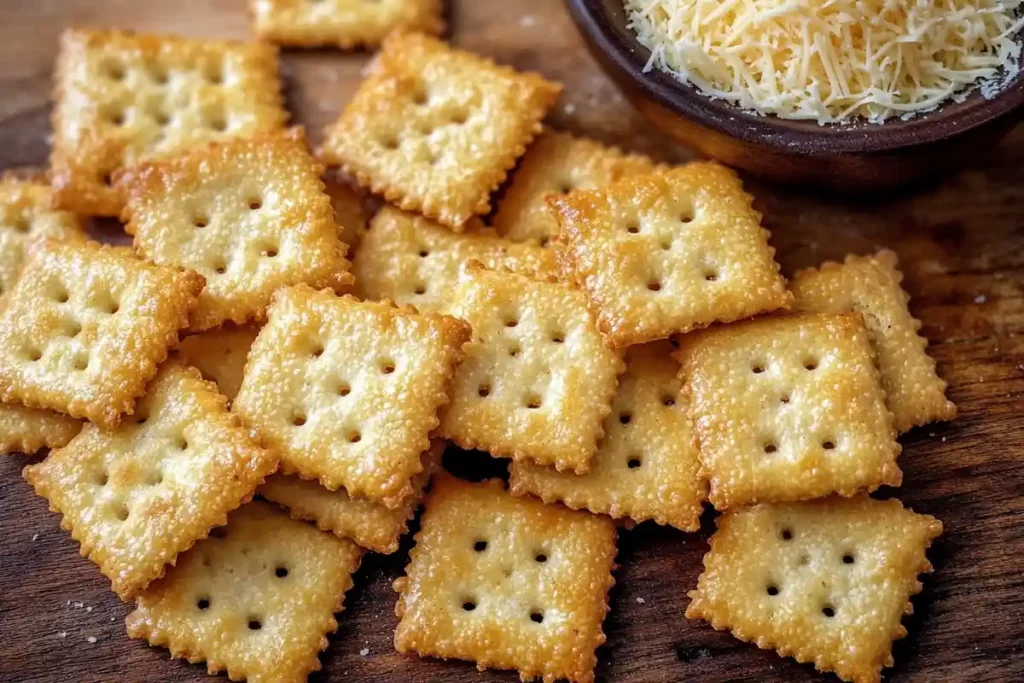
27,430
342,23
220,355
350,211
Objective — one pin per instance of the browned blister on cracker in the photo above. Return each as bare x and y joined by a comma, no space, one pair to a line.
434,129
137,496
342,23
27,430
506,582
825,582
668,252
85,327
220,355
256,599
789,408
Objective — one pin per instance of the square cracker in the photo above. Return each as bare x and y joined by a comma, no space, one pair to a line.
825,581
27,430
220,355
538,378
342,23
557,163
789,408
434,129
85,327
870,285
138,495
647,466
256,599
250,215
122,97
506,582
413,260
348,391
669,252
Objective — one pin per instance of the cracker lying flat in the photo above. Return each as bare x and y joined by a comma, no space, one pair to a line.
27,430
138,495
669,252
825,581
220,355
557,163
871,286
538,379
85,327
348,391
506,582
647,466
256,599
122,97
435,130
343,23
250,215
789,408
412,260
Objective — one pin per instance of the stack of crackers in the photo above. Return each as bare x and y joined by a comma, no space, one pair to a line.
618,329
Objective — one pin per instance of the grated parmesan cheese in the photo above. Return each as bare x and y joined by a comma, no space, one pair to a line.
832,60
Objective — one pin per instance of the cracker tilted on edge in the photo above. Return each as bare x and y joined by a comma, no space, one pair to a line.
220,355
342,23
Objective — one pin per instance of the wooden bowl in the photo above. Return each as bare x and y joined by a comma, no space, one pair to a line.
850,158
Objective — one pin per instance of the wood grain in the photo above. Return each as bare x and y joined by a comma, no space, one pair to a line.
962,246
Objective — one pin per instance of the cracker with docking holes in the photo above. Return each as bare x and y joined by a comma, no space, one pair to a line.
85,327
647,466
412,260
122,97
220,355
435,130
137,496
825,582
342,23
256,599
870,285
538,378
27,430
557,163
669,252
249,215
506,582
348,391
789,408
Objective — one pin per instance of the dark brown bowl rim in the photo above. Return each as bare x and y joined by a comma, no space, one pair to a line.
628,56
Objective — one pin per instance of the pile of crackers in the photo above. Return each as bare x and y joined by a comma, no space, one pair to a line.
238,408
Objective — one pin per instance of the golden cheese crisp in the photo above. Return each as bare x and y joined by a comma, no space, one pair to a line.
434,129
138,495
538,378
27,430
250,215
350,212
669,252
647,466
342,23
85,327
256,599
220,355
557,163
412,260
506,582
870,285
348,391
789,408
825,581
121,97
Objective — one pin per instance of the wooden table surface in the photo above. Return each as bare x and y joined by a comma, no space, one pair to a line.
962,247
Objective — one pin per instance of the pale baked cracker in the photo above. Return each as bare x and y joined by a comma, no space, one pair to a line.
27,430
788,408
348,391
85,327
825,581
250,215
413,260
556,163
647,466
137,496
342,23
538,378
434,129
506,582
350,212
122,97
220,355
256,599
870,285
668,252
